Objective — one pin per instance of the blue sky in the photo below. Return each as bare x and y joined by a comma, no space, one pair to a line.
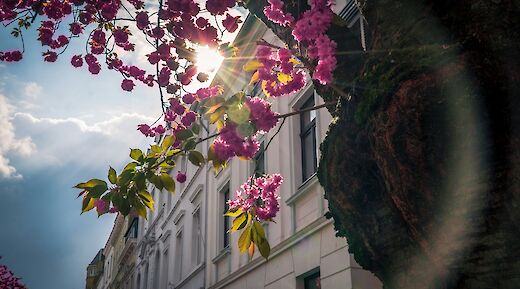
59,126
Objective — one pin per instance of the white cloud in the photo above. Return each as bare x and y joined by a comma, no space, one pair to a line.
107,127
10,143
77,143
32,89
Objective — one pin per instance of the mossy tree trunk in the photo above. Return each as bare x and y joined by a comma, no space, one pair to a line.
421,167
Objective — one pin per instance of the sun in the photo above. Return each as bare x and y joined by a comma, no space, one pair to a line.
208,60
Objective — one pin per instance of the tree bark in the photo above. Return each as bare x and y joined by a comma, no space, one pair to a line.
427,186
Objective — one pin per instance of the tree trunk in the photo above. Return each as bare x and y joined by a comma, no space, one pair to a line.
426,188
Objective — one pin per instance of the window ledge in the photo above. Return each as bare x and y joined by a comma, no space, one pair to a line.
223,253
303,189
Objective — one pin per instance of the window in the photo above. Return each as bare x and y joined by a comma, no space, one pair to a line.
312,282
164,276
178,256
197,238
308,139
133,229
258,164
157,268
225,219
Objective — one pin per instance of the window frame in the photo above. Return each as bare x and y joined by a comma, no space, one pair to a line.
308,130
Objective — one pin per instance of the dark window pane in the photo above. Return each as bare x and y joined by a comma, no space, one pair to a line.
259,163
313,281
308,140
226,218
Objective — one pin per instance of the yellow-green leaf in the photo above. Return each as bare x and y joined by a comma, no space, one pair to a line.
112,175
255,78
233,213
284,78
146,198
239,222
264,88
244,241
88,204
168,183
167,142
136,154
252,65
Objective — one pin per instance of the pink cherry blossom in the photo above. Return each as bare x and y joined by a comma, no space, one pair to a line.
181,177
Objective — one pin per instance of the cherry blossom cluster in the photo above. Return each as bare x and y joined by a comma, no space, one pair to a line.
232,141
9,280
11,56
259,196
310,32
103,207
275,13
261,115
279,72
230,144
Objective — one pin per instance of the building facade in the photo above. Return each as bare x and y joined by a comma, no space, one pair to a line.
120,256
95,270
184,242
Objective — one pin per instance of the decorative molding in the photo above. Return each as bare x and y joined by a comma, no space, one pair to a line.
303,189
165,236
188,186
190,276
178,217
177,203
196,192
223,253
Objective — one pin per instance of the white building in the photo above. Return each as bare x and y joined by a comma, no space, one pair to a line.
171,246
304,250
185,244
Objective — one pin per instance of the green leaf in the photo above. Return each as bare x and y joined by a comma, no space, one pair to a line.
196,158
130,166
260,240
112,176
155,149
140,181
234,213
88,204
214,117
146,198
168,183
125,177
124,207
246,129
189,145
239,113
239,222
90,184
95,187
195,128
244,241
236,99
167,142
136,154
157,182
141,210
184,134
